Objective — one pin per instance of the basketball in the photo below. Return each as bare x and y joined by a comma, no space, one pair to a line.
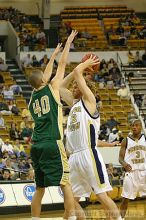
94,67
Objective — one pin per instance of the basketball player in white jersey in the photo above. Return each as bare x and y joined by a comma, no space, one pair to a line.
133,158
87,169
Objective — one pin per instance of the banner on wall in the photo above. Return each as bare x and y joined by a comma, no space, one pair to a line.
21,194
7,196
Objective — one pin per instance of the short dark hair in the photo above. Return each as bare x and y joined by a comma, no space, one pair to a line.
35,78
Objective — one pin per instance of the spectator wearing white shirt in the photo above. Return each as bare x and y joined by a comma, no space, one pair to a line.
123,92
27,61
7,147
7,93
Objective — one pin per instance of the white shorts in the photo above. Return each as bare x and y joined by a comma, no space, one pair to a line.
134,183
88,173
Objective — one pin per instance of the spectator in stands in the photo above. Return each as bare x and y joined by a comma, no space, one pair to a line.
26,61
102,64
14,132
137,59
35,62
123,92
110,64
6,175
130,58
2,121
113,135
112,123
26,133
41,37
44,61
17,90
120,136
115,174
144,58
14,162
19,149
7,147
13,108
23,123
3,66
104,132
138,98
135,20
8,93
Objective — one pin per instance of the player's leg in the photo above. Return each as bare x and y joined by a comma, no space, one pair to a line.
124,206
79,211
69,203
109,206
36,202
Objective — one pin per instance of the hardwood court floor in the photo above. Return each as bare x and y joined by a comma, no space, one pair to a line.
136,211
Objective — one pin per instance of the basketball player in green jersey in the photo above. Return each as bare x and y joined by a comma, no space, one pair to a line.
47,151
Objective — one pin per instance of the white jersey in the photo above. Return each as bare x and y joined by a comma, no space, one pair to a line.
135,154
82,128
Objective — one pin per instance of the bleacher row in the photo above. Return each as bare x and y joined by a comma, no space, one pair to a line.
88,18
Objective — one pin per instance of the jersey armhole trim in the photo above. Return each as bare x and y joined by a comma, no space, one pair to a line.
94,117
54,96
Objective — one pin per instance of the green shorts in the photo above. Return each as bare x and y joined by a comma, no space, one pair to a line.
50,163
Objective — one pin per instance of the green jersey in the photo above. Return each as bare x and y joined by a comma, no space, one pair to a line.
46,112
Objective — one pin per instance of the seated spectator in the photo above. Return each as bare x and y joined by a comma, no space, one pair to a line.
112,123
2,121
7,147
19,149
13,108
44,61
3,66
104,132
4,109
23,123
137,59
102,63
8,93
6,175
35,62
120,136
41,37
113,135
111,64
138,98
120,30
26,61
123,92
26,133
14,132
115,173
16,89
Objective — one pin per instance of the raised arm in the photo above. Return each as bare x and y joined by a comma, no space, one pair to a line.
57,80
87,95
65,93
49,67
127,166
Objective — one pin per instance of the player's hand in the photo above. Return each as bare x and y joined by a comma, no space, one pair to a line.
72,36
91,62
127,167
57,49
